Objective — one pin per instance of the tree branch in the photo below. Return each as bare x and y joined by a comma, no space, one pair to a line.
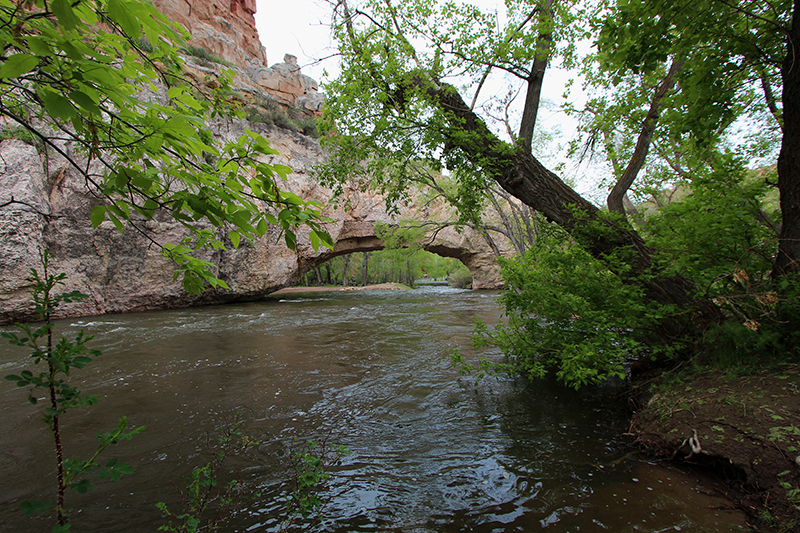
615,198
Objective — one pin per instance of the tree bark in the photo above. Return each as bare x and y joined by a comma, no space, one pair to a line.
344,270
788,260
536,79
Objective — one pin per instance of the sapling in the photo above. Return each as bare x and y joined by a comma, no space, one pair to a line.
60,357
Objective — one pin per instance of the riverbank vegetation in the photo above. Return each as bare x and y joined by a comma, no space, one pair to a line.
688,121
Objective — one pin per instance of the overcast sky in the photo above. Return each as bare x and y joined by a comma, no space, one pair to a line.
302,28
297,27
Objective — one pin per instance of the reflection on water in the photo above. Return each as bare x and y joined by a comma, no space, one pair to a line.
430,451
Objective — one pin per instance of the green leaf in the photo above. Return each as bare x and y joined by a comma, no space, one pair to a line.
65,14
291,239
82,486
39,46
122,15
235,238
282,170
97,215
86,102
31,507
57,106
113,218
18,64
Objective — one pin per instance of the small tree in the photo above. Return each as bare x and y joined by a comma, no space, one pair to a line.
61,357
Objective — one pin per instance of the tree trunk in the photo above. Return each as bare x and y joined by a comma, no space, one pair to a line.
788,260
536,78
344,270
616,198
328,274
512,235
364,269
524,177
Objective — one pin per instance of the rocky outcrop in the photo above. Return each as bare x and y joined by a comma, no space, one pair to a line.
124,272
226,30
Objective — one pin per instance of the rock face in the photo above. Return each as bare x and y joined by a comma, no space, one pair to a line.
123,272
227,30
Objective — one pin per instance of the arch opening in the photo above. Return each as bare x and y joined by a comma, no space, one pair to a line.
370,263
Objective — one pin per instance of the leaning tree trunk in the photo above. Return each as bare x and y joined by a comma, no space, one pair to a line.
524,177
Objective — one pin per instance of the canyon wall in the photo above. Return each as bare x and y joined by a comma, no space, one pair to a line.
124,272
226,29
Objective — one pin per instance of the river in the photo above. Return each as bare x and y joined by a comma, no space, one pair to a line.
429,450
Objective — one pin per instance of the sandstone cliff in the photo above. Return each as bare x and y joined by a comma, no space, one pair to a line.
226,30
124,272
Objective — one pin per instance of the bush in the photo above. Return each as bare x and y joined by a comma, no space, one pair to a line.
267,111
567,312
573,314
206,58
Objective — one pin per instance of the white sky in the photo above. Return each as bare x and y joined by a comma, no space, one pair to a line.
297,27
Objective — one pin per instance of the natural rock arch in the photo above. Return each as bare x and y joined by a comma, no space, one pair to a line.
467,246
124,272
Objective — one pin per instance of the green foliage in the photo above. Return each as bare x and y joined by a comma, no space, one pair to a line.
203,54
310,467
720,237
588,320
725,96
60,358
268,111
23,135
460,276
569,313
716,230
208,504
86,73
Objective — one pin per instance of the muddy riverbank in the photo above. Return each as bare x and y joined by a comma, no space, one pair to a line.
746,428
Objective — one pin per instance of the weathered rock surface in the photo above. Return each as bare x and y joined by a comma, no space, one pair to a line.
227,30
123,272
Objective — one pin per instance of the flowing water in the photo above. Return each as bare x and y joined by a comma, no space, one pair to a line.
429,450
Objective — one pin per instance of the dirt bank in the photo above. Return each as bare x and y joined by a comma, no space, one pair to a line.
748,428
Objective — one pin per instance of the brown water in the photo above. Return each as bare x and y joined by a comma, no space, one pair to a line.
429,450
